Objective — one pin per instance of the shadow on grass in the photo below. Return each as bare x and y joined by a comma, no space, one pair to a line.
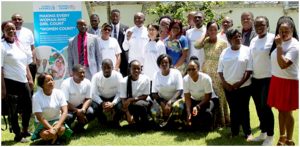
8,143
225,139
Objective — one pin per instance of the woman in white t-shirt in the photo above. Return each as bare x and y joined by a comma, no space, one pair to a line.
109,46
167,86
234,69
260,47
153,49
16,80
199,96
50,108
283,92
134,91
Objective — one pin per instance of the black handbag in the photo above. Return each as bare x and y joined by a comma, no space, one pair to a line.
9,107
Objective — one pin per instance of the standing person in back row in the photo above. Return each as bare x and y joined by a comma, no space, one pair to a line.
25,36
248,31
118,32
94,28
260,47
284,85
84,49
136,39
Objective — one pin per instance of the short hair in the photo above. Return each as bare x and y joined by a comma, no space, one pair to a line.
231,32
96,15
248,12
161,57
115,10
107,61
263,17
106,25
4,24
76,67
165,16
41,79
210,23
195,60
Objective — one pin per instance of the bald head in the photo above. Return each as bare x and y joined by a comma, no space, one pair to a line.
139,19
17,19
81,26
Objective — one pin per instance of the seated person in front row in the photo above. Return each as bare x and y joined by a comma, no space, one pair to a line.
167,87
200,98
105,93
50,109
134,92
77,90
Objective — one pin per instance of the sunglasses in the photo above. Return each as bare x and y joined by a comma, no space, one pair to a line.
107,29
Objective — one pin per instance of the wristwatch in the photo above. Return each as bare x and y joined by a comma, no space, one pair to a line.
136,98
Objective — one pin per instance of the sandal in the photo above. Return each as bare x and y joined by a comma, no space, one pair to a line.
290,142
282,141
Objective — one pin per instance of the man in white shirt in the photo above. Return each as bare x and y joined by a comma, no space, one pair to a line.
25,36
105,93
195,33
227,23
77,90
136,39
109,46
94,28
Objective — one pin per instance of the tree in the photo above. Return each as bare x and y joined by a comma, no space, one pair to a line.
179,9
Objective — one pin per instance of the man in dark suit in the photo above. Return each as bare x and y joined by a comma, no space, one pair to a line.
94,28
118,32
248,31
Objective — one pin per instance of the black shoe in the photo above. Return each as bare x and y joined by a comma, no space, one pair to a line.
18,138
26,134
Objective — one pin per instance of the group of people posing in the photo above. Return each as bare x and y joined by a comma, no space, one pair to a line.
171,75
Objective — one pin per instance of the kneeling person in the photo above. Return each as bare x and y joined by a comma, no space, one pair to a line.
105,93
77,90
199,97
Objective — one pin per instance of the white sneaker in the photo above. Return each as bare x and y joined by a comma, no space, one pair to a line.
268,141
24,140
261,137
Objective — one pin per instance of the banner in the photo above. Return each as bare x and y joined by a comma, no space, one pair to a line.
54,25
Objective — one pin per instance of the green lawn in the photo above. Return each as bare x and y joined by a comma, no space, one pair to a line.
102,136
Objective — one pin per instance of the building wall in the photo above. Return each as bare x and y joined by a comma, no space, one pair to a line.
273,12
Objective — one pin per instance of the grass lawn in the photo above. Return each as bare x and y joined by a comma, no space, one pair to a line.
102,136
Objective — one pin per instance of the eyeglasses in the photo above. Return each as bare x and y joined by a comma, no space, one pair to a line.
191,69
109,30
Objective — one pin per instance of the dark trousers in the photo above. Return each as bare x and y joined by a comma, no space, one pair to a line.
72,116
238,101
24,104
259,91
33,70
124,63
102,117
204,119
139,110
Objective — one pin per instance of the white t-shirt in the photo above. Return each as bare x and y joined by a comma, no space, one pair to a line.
166,86
26,37
109,48
223,37
234,64
49,105
14,60
291,52
136,44
106,87
152,51
76,93
260,50
193,35
199,88
139,87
